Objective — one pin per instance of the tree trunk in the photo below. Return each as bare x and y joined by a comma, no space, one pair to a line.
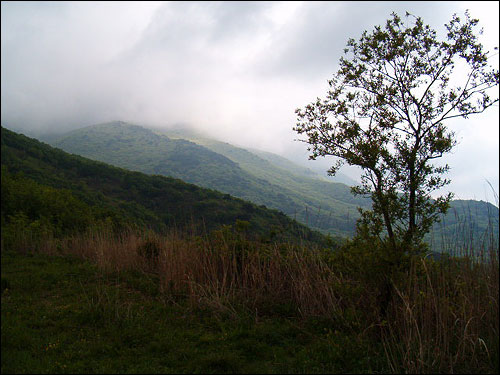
413,195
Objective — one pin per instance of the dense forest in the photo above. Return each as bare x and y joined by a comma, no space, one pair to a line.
321,205
48,189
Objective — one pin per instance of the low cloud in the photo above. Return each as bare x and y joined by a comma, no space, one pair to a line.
236,70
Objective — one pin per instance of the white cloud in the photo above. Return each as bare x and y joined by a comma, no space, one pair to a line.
235,69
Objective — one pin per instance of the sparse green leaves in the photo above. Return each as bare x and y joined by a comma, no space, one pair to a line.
385,110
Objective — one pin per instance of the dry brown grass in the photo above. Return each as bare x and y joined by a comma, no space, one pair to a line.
443,316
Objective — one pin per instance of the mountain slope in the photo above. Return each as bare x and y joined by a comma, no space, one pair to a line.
322,205
467,225
313,171
283,173
319,204
467,222
156,201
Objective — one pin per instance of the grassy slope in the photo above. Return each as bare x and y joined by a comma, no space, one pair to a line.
153,200
63,315
183,315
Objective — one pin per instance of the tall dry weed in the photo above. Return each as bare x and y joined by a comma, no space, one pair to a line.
442,318
445,318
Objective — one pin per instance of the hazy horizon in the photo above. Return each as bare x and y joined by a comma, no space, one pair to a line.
233,70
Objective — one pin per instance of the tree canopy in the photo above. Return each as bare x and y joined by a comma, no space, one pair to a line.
386,111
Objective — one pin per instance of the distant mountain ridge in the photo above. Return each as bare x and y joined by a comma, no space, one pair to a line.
321,205
123,196
276,160
272,181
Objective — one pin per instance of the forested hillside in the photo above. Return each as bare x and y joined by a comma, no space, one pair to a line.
271,181
44,187
321,205
281,172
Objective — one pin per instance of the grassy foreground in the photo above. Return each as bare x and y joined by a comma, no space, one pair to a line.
64,315
99,302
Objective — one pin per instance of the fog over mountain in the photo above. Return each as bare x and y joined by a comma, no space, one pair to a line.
234,70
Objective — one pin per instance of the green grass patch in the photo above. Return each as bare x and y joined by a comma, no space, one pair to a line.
63,315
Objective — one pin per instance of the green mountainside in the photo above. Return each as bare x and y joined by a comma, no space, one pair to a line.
314,170
260,178
79,296
249,159
319,204
44,185
285,174
468,222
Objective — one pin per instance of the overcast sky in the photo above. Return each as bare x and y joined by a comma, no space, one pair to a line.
236,70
